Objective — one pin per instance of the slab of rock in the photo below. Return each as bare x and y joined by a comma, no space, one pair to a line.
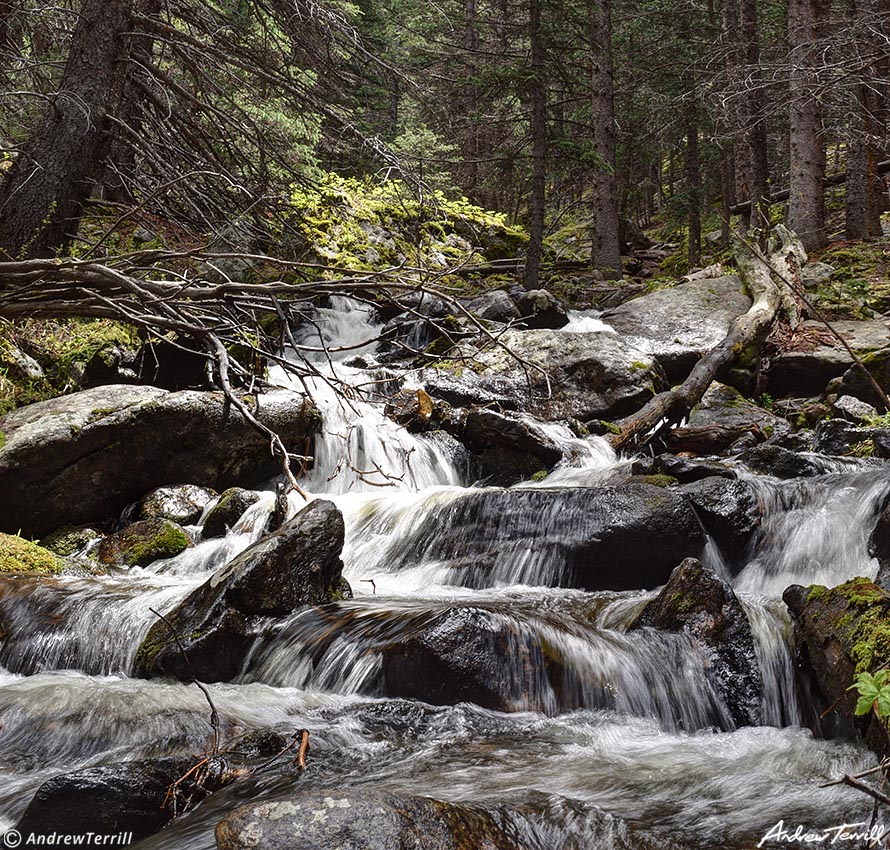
726,411
838,633
856,384
607,538
183,503
217,623
698,603
82,458
564,375
801,373
362,819
678,325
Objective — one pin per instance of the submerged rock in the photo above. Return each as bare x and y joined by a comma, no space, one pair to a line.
227,511
143,543
698,603
466,655
840,632
106,800
182,504
218,623
362,819
607,538
82,458
782,463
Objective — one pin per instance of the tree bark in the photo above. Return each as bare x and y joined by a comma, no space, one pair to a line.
42,200
538,98
693,179
806,208
754,116
606,243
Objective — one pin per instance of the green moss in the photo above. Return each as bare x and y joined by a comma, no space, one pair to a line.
659,480
144,542
18,555
69,540
2,438
540,475
609,427
817,591
864,448
638,366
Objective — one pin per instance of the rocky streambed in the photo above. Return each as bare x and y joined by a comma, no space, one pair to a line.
495,632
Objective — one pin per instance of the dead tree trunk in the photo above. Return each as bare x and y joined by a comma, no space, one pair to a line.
42,200
539,149
670,408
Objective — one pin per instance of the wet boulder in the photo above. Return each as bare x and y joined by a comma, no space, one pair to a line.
183,503
361,818
227,511
840,437
606,538
679,324
840,632
729,511
698,603
879,548
84,457
509,447
494,306
551,374
217,624
541,309
782,463
413,408
71,540
143,543
105,800
855,383
466,655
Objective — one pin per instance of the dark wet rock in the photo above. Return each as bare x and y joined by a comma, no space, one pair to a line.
839,632
412,408
782,463
840,437
541,309
466,655
279,510
879,548
227,511
494,306
686,470
806,372
679,324
183,504
855,383
82,458
143,543
172,366
729,512
700,604
608,538
70,540
105,800
217,623
509,447
558,375
362,819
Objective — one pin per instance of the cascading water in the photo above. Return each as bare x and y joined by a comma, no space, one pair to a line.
615,738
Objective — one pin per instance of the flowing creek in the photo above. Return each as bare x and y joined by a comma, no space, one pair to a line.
631,747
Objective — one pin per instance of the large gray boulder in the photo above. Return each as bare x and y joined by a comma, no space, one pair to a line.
552,374
607,538
679,324
82,458
217,623
819,357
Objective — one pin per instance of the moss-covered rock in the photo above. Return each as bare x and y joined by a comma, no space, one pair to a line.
840,632
143,543
18,555
70,540
227,511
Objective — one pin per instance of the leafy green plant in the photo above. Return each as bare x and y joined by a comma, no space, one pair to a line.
874,693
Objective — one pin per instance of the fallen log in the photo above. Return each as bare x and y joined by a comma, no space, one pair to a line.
747,332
